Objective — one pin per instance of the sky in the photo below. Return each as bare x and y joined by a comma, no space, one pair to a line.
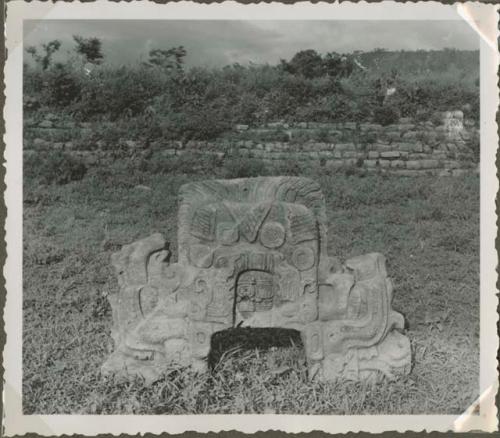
216,43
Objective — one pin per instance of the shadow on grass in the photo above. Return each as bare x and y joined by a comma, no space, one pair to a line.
249,338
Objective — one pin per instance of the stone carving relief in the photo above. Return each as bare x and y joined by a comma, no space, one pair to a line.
253,251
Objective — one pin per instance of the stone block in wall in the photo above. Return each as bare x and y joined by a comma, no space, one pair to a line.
419,156
439,155
351,154
382,147
390,154
334,164
345,147
405,120
429,164
241,127
337,154
335,133
58,146
410,173
413,164
403,127
451,164
445,172
302,125
430,136
351,161
274,125
370,163
350,125
408,146
392,135
398,164
319,146
325,154
384,163
364,127
373,154
410,135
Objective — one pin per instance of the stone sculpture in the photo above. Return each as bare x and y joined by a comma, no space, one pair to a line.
254,251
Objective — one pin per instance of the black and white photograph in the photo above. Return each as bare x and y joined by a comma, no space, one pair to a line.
242,216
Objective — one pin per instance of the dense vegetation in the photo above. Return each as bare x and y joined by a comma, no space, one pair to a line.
161,98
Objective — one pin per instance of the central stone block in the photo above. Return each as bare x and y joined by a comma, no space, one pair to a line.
253,252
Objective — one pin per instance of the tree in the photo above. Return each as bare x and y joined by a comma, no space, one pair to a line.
89,48
338,66
171,59
307,63
45,59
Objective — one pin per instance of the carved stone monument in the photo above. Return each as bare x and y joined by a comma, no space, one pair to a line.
253,251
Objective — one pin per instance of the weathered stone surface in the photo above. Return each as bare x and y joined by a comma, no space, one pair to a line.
400,164
413,164
390,154
253,252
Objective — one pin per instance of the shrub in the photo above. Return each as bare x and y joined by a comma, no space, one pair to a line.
386,115
240,167
54,168
63,87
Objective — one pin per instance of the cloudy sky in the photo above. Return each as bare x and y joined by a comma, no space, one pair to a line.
215,43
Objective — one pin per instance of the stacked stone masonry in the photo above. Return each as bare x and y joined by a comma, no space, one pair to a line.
406,148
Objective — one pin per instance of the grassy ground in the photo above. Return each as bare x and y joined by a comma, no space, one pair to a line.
427,227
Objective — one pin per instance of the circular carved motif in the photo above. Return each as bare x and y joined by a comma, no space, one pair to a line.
303,258
272,235
200,256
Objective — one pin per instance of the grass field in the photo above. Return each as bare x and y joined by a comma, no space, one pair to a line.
428,228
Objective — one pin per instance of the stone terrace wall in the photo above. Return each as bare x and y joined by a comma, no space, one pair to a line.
406,148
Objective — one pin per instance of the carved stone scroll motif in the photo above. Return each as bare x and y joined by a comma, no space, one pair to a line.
253,251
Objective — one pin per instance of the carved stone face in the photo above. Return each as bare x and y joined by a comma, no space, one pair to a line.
254,292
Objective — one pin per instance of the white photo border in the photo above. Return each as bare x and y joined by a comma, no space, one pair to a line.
482,17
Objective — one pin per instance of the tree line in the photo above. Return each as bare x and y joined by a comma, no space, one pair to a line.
162,98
